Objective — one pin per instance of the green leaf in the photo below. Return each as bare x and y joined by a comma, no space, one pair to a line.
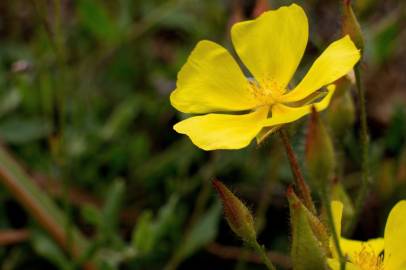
9,101
47,248
110,214
144,237
95,18
37,203
203,232
148,232
121,118
91,214
20,130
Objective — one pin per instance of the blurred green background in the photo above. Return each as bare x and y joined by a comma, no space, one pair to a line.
84,110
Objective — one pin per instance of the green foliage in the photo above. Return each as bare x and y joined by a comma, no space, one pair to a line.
396,133
46,247
149,233
202,232
17,130
94,18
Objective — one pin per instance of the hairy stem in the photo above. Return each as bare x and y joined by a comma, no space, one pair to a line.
300,182
364,141
263,254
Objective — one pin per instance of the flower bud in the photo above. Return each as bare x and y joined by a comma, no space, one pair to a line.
307,251
341,112
350,25
237,214
319,153
318,228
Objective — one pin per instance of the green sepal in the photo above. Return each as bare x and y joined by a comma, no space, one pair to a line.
307,250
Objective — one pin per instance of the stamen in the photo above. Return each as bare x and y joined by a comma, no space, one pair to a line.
267,91
367,259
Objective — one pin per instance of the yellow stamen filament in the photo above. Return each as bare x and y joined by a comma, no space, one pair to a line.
367,259
268,91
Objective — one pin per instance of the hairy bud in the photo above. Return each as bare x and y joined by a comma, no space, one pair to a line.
237,214
319,155
350,25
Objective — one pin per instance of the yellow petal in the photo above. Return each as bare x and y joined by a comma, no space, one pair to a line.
334,264
223,131
272,45
336,61
395,238
337,209
282,114
211,81
352,248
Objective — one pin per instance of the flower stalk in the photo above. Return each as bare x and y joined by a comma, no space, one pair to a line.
325,198
351,27
262,253
364,141
299,179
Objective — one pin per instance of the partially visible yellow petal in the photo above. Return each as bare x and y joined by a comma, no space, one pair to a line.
272,45
223,131
337,209
352,248
334,264
395,238
282,114
336,61
349,247
211,81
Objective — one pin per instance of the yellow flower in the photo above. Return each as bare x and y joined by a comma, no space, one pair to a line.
235,109
386,253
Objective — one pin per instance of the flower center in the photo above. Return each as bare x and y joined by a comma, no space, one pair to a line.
267,91
367,259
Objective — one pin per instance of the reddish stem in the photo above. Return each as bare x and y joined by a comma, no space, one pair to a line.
300,182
